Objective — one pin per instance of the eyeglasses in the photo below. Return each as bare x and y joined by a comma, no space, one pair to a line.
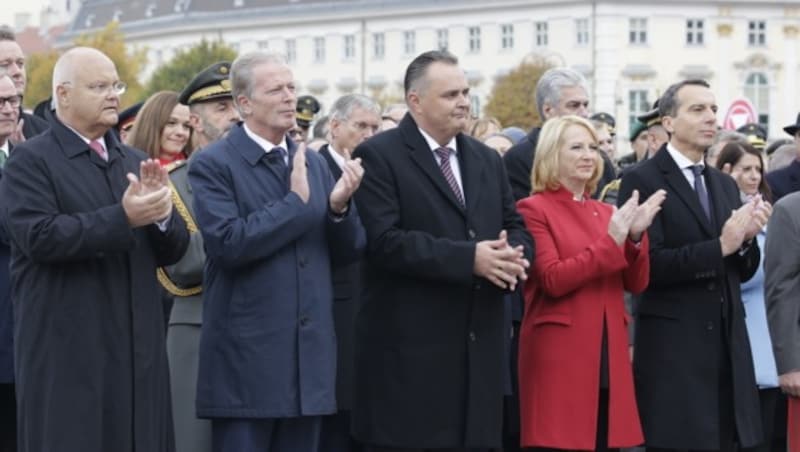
103,88
13,101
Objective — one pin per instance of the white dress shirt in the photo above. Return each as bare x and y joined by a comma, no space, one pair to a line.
453,157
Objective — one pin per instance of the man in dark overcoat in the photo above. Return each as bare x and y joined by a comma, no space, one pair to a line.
86,237
273,223
444,244
693,368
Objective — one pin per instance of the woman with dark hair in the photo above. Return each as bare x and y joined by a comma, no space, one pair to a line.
162,129
746,165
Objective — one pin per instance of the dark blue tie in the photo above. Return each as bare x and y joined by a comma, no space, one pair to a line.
700,188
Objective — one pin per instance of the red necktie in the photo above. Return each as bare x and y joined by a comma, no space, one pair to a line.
98,147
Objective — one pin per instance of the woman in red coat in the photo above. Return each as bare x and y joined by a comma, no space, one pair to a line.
575,377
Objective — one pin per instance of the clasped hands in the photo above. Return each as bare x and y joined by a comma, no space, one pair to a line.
496,260
632,219
352,174
744,224
148,198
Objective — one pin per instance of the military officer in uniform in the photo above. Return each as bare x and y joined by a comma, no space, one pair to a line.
307,107
212,114
756,135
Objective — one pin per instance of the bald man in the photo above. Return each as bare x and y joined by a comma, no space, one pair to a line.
89,221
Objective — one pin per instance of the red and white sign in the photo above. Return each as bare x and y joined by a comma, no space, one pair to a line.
739,113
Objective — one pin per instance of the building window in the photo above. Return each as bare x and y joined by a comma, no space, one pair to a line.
378,46
757,33
637,104
507,36
582,32
541,34
291,51
263,45
349,47
756,89
694,32
474,39
442,39
319,50
409,42
475,106
638,31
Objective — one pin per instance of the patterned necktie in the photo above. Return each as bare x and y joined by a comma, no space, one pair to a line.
444,164
700,188
98,147
3,158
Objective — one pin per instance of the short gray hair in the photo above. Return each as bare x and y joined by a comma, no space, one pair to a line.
344,106
242,71
729,136
550,84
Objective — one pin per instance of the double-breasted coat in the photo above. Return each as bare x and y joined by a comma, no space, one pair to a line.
690,320
430,334
91,368
268,345
573,296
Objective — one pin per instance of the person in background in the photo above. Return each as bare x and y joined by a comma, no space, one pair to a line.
483,127
163,129
500,142
755,135
782,157
638,140
575,378
605,139
9,112
787,180
212,113
320,133
392,115
657,135
721,139
307,108
126,120
12,62
745,164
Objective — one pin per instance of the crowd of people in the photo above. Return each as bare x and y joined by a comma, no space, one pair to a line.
220,269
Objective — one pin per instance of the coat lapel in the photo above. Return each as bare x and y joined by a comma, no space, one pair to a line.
680,186
325,151
253,153
422,156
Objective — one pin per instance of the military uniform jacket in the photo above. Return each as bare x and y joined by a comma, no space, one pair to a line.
268,345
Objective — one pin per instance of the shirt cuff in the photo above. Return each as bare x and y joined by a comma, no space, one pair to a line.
162,225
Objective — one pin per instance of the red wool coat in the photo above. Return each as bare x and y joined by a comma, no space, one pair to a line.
577,279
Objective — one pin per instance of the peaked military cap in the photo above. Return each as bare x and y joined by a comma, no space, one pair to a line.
793,128
606,118
307,107
211,83
756,135
128,115
651,117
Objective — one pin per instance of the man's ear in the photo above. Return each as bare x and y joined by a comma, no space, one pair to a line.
194,121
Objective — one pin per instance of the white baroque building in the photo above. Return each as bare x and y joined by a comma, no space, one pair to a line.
629,50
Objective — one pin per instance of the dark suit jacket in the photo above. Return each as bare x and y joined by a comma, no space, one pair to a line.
33,125
6,312
692,303
784,181
782,282
430,334
519,162
346,289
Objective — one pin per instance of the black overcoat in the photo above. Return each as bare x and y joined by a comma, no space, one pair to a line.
91,365
691,316
430,334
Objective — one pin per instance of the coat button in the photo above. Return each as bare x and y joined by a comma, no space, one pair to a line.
304,321
471,234
472,336
709,326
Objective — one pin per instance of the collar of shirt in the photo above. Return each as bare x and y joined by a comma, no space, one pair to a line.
684,163
265,144
4,147
102,139
336,156
434,145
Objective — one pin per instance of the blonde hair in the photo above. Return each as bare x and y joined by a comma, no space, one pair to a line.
544,175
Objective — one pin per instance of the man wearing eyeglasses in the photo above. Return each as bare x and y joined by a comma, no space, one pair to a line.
353,119
9,113
12,62
89,221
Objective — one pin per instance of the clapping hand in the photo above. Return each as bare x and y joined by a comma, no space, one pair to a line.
762,210
148,198
500,263
645,213
621,220
352,174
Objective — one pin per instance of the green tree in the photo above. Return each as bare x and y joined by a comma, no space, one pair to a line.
40,77
180,70
513,97
129,63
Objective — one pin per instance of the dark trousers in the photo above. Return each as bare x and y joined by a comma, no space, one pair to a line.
395,449
8,418
773,420
295,434
336,435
